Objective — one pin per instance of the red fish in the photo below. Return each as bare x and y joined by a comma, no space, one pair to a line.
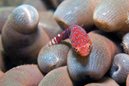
80,41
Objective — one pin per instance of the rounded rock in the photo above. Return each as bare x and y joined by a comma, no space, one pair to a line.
52,57
57,77
96,64
120,68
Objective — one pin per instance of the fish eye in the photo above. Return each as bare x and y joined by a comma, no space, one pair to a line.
76,49
90,46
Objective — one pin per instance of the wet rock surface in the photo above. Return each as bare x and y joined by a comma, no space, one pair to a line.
52,57
96,64
119,70
57,77
37,50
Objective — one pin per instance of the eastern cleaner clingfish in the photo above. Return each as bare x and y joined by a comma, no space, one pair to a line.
80,41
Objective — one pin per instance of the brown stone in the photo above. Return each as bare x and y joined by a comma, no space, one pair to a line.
96,64
25,75
57,77
53,56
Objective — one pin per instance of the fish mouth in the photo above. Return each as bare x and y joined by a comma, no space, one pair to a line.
84,50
